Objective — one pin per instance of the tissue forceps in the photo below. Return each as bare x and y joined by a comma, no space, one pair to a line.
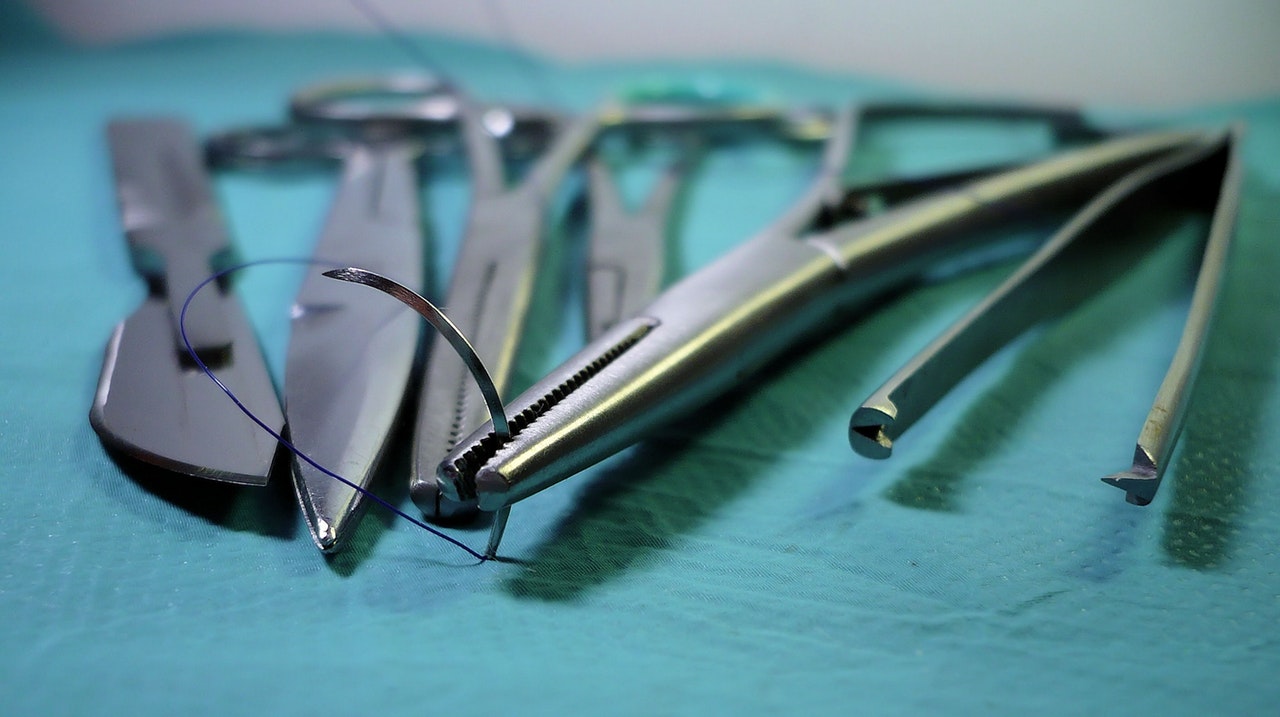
1057,278
707,333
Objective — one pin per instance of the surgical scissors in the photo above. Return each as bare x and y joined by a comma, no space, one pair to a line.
350,358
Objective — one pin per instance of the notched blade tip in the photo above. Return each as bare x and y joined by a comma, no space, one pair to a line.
1139,487
1141,481
867,432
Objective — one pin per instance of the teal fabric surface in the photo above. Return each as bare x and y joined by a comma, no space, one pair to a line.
744,562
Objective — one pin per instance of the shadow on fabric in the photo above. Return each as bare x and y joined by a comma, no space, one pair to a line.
1209,479
1146,260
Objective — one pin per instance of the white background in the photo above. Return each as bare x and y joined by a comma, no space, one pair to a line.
1130,52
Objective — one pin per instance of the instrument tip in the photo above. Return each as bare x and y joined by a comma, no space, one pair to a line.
1140,482
439,508
326,535
867,432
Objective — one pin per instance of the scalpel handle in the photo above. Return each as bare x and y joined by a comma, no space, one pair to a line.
171,221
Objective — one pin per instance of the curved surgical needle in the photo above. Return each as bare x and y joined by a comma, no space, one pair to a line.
465,351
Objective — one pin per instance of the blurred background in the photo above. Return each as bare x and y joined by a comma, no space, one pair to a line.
1151,53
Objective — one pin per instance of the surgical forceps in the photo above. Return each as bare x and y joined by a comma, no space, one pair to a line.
1057,278
708,332
625,255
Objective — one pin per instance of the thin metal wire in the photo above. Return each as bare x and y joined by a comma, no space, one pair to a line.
182,328
396,35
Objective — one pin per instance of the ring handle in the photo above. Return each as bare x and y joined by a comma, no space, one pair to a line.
383,99
260,147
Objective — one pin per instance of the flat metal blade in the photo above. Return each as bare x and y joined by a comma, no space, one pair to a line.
154,405
351,351
153,402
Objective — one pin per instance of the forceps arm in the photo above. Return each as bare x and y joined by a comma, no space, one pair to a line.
1052,281
626,250
1164,423
489,294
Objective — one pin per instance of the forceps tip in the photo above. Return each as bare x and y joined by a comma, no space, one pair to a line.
1139,489
868,432
1140,482
495,532
437,508
491,486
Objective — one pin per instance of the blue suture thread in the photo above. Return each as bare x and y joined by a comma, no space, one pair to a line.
182,327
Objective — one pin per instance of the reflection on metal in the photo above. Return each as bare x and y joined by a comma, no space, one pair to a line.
704,335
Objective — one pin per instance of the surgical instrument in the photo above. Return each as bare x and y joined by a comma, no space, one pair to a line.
708,332
625,247
350,357
492,280
1164,422
1052,281
626,254
425,106
489,291
152,402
